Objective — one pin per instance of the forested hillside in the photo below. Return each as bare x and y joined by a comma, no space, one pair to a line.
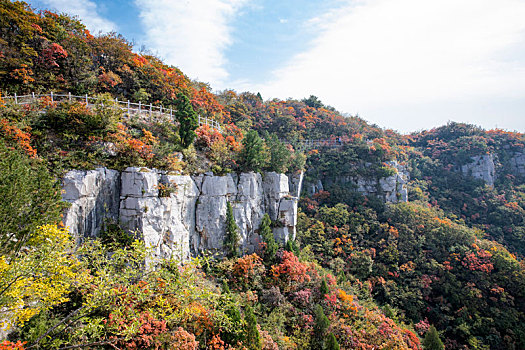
443,270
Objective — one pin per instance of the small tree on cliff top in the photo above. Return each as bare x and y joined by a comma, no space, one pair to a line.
254,154
231,241
187,119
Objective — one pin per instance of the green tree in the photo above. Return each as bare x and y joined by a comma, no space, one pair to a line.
187,118
29,197
320,327
231,241
280,155
432,341
253,154
324,288
267,236
331,342
253,337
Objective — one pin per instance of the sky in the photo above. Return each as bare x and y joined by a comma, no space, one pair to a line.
402,64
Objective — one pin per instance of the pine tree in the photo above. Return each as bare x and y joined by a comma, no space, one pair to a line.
331,342
253,337
324,288
267,236
320,327
291,246
432,341
254,154
188,120
231,241
225,287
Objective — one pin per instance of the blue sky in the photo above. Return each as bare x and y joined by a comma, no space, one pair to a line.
402,64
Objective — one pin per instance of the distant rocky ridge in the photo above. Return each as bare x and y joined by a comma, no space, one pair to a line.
180,215
392,189
486,167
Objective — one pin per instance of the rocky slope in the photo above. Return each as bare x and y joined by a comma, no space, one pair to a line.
180,215
392,189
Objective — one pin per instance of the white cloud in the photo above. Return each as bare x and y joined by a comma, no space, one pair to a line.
191,35
376,56
86,10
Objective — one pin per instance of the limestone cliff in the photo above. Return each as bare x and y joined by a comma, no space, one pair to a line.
517,163
180,215
392,189
481,167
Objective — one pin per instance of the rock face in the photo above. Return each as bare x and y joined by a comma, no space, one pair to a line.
517,163
164,218
179,215
94,196
393,189
482,167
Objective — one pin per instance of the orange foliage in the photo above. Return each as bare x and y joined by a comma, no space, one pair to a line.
7,345
21,138
183,340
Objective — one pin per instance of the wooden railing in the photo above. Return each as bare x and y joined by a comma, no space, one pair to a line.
151,111
129,108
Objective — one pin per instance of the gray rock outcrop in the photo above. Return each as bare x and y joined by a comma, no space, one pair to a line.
94,196
482,167
393,189
517,163
179,215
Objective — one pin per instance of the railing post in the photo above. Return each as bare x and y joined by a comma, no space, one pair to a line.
150,110
69,95
139,106
128,108
16,99
51,96
33,95
87,103
171,113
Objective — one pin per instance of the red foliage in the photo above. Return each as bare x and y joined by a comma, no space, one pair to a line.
51,53
480,260
290,272
183,340
151,332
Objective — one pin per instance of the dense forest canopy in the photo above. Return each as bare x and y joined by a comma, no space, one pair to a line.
445,269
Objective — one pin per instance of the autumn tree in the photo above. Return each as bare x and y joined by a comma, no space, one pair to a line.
187,119
231,241
41,276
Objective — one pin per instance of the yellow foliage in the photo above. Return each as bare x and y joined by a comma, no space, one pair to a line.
39,277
